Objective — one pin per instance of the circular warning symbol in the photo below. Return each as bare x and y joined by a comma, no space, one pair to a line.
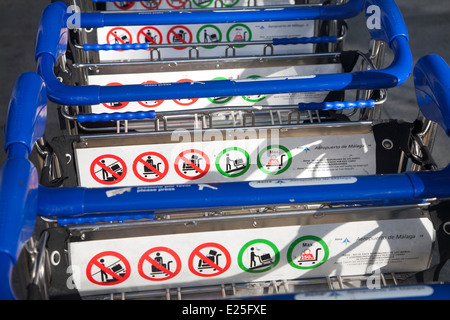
124,5
307,252
192,164
188,101
159,264
220,100
202,3
108,169
150,167
151,4
239,32
233,162
150,35
209,260
274,159
258,256
150,103
108,268
179,35
115,105
176,4
119,35
254,98
209,34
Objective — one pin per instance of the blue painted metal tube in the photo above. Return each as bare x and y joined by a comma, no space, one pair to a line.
117,116
324,106
345,11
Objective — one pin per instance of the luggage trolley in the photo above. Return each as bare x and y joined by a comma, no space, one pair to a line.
337,217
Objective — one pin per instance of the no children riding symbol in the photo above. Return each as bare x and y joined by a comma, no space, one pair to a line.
209,260
258,256
159,264
233,162
192,164
108,268
150,166
307,252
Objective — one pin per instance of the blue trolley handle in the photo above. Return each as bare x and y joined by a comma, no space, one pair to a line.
52,42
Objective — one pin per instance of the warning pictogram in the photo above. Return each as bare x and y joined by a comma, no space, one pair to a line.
108,268
192,164
209,260
259,255
150,103
233,162
209,34
274,159
119,35
108,169
187,101
159,264
307,252
179,35
150,167
115,105
150,35
124,5
238,33
151,4
176,4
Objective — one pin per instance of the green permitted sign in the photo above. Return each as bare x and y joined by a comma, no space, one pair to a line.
307,252
239,32
254,98
255,256
274,159
209,34
202,3
220,100
233,162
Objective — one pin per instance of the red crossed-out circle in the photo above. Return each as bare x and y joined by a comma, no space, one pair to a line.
116,37
200,172
188,103
172,34
157,102
130,5
153,169
152,5
218,270
97,163
119,105
144,37
95,262
168,274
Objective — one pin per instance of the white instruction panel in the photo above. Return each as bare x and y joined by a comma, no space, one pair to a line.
182,38
150,79
258,254
184,4
229,160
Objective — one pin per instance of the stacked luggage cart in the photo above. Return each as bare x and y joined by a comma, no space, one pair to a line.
214,149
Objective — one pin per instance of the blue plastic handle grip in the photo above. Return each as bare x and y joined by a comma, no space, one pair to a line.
432,86
117,116
324,106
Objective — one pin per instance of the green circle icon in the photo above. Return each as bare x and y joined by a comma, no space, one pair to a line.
312,255
233,166
265,261
202,3
251,98
281,163
209,34
220,100
239,32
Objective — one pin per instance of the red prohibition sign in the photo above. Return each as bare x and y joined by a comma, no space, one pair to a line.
185,102
128,5
151,167
149,35
156,102
207,262
176,4
179,34
192,164
152,5
108,271
119,38
108,173
115,105
159,267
